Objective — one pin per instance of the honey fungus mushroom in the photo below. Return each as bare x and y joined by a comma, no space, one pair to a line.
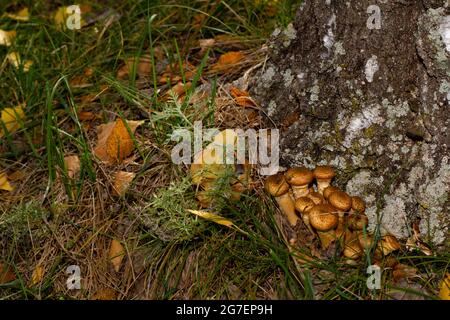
277,186
342,202
299,179
357,219
352,248
329,190
324,221
303,205
323,175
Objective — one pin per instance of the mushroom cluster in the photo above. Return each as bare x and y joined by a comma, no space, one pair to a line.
326,211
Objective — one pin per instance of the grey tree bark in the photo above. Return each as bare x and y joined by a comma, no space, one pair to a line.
364,85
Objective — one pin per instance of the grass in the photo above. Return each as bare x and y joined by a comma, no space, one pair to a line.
52,221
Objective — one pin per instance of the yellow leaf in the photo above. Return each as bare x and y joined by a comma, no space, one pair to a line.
213,217
444,293
4,183
122,180
114,141
22,15
10,119
15,60
6,37
116,254
37,276
72,165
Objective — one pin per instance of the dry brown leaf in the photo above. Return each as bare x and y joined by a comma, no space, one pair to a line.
177,90
116,254
172,73
4,183
242,97
82,80
122,181
73,165
105,294
114,141
38,275
143,67
403,271
6,273
86,115
227,61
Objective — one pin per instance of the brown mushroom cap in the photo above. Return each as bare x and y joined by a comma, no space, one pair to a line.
358,204
358,221
365,241
276,185
329,190
340,200
324,172
303,204
388,244
316,197
322,217
299,176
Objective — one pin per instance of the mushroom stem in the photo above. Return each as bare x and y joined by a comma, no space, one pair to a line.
288,208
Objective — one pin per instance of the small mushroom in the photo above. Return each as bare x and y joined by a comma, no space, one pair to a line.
342,202
329,190
316,197
324,221
303,205
388,244
323,175
352,249
299,179
358,205
277,186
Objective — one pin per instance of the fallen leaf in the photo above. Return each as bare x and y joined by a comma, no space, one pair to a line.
38,275
72,164
403,271
242,97
4,183
444,292
10,119
86,115
82,80
122,181
15,60
105,294
21,15
213,217
6,37
116,254
6,273
114,141
172,73
177,90
227,61
143,67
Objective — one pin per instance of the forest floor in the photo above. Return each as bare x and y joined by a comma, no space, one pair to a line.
143,69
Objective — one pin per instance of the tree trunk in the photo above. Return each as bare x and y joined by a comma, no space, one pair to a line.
364,86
